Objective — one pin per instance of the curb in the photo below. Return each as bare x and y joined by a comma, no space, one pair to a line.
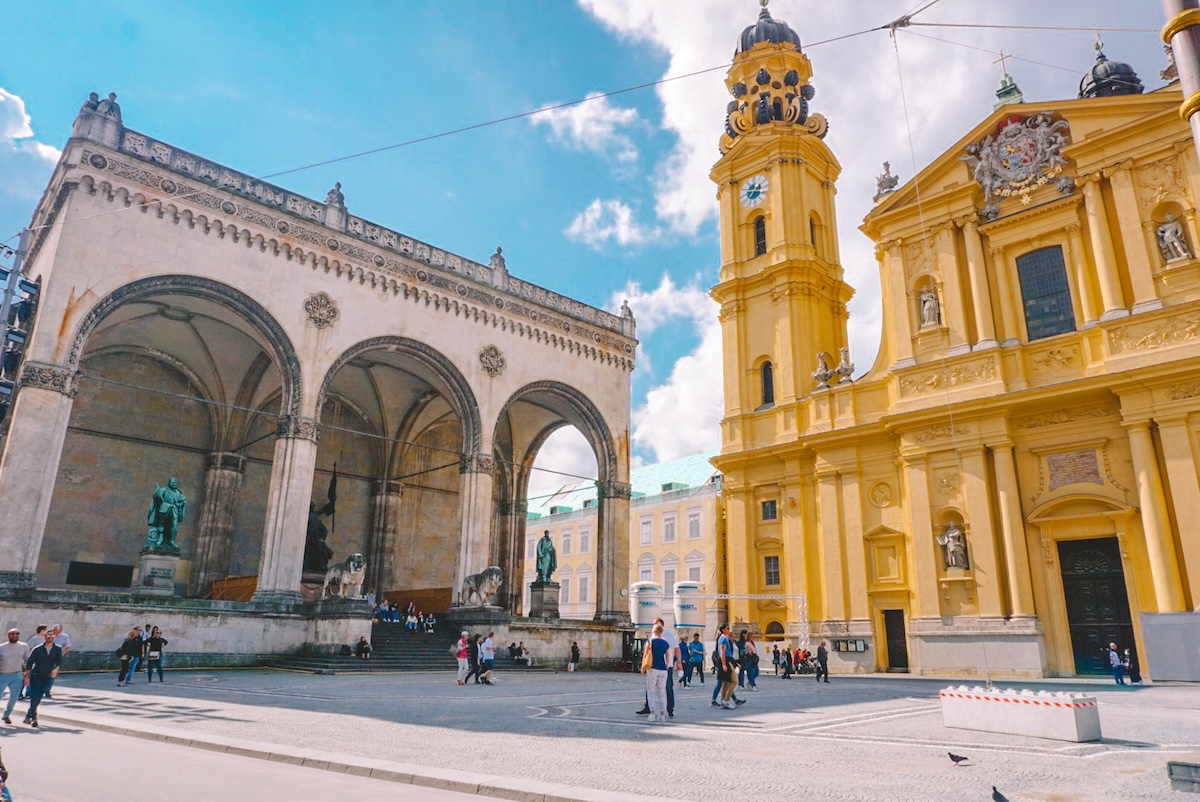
489,785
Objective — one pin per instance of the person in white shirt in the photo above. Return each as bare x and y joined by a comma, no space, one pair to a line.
13,656
487,656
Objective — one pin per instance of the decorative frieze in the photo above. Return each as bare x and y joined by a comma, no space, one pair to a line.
50,377
1178,392
1057,416
613,489
321,310
294,427
941,431
1055,359
493,361
929,381
1148,335
476,463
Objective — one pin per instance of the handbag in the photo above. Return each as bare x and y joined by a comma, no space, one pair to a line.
647,657
454,650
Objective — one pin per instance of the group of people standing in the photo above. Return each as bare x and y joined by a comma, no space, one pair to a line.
1124,662
476,658
142,646
28,670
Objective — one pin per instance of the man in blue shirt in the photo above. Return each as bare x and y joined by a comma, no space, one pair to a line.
41,669
725,667
696,656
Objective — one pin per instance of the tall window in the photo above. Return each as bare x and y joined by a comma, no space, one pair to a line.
768,383
668,579
812,234
647,531
564,591
693,573
645,575
769,512
566,540
583,588
1045,292
585,541
530,548
771,570
760,235
669,528
693,525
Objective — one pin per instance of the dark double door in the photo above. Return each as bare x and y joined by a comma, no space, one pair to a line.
1097,605
897,641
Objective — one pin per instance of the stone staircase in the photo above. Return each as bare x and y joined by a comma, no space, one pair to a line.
395,648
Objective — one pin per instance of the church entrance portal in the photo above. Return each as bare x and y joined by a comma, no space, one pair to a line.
1097,605
897,642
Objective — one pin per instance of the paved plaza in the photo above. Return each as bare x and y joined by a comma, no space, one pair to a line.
576,736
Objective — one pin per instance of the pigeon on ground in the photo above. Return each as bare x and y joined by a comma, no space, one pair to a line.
957,758
997,796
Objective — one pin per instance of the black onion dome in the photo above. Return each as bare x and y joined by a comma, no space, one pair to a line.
767,29
1109,79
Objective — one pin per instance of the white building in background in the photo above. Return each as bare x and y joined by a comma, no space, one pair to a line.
676,520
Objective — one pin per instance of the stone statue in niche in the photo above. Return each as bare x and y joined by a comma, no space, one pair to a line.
822,374
954,545
547,558
167,507
931,312
1171,240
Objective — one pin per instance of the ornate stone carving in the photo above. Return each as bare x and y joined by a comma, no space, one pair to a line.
939,432
885,184
334,197
1171,240
1058,416
882,495
294,427
822,374
1154,334
493,361
476,463
933,380
931,311
947,483
1160,180
1056,358
389,487
321,310
50,377
1178,392
1022,156
845,368
612,489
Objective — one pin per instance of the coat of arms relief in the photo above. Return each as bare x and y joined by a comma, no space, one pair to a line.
1026,153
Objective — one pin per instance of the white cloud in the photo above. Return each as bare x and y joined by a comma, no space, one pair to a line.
25,163
681,415
564,458
594,125
605,220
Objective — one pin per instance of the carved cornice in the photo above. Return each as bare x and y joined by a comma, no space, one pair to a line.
49,377
226,461
294,427
407,268
477,463
388,488
614,490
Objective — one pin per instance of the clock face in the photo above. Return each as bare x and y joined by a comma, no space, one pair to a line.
754,191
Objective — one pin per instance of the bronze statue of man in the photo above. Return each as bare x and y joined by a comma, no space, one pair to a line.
167,509
547,559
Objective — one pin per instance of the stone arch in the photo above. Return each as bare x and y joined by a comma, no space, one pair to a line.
246,307
458,389
578,410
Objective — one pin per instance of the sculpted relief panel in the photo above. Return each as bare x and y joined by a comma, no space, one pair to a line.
929,381
1155,333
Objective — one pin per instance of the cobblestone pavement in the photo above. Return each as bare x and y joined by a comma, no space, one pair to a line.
856,738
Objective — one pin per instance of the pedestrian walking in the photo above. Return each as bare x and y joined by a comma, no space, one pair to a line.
696,655
822,662
473,657
63,641
655,670
573,663
41,668
462,651
487,656
130,649
154,654
144,634
1118,665
725,667
1132,666
685,657
14,653
751,658
668,634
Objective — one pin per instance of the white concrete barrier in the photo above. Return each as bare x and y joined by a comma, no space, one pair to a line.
1060,716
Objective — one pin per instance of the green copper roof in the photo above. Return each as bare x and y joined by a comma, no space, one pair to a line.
694,471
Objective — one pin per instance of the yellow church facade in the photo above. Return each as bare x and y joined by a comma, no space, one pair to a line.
1014,483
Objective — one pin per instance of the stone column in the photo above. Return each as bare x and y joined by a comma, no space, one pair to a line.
1087,296
510,552
1012,530
897,297
475,507
214,539
1010,296
286,526
981,293
612,553
953,313
1160,545
925,560
32,451
1111,297
1180,465
981,532
381,541
833,555
1141,276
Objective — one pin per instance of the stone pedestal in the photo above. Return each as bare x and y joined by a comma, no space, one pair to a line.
543,599
156,572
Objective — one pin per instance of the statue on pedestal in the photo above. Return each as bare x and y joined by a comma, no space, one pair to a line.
931,313
954,541
167,508
1171,240
547,558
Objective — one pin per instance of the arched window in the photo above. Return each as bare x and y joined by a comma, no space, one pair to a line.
774,628
768,384
760,235
812,234
1045,293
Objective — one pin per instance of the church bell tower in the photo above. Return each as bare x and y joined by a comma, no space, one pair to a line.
782,297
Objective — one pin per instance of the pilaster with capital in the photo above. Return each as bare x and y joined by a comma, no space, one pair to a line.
383,536
981,293
29,468
915,472
476,473
1012,530
1006,278
286,525
989,592
1111,296
1141,275
612,551
898,309
218,515
1083,279
953,310
835,602
1160,545
1179,461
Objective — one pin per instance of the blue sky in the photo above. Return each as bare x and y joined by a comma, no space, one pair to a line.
606,200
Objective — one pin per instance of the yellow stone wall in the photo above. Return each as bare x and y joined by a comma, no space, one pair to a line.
1023,443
